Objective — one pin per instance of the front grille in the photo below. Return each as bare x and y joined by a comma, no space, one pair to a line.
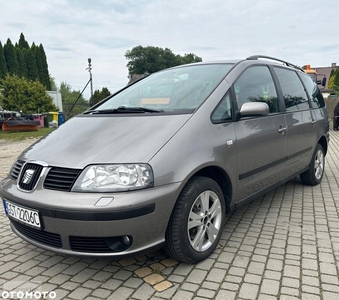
89,244
16,169
40,236
29,176
61,179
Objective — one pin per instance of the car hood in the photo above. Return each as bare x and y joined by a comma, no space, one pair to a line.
86,140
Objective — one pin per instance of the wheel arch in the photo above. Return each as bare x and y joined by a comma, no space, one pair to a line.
221,178
324,143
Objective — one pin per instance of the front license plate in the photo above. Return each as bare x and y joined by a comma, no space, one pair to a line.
22,214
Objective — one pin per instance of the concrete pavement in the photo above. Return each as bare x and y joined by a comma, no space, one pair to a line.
284,245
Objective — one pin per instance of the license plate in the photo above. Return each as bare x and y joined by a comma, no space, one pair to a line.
22,214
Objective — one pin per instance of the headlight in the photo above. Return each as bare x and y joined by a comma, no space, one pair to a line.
113,178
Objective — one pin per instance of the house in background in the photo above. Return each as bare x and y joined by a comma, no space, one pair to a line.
321,71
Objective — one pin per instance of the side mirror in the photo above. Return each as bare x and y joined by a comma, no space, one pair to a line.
252,109
323,82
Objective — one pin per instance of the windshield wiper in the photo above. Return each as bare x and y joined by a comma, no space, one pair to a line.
123,109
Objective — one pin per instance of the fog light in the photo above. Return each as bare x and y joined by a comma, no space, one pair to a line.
126,240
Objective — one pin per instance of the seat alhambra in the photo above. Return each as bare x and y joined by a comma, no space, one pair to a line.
160,162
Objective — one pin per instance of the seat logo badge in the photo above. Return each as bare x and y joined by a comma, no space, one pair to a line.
28,176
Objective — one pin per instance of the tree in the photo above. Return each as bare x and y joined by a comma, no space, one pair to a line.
41,64
22,42
152,59
21,63
43,72
336,80
100,95
3,66
23,60
32,70
21,94
10,57
190,58
333,82
53,84
72,101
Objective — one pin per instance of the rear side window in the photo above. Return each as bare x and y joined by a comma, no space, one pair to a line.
255,84
317,99
293,91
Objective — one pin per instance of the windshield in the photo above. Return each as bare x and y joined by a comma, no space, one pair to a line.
179,89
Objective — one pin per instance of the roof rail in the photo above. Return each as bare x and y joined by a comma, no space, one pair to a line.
256,57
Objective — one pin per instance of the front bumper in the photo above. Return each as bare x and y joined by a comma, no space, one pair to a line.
73,225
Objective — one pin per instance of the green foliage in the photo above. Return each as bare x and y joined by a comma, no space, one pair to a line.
43,72
21,94
190,58
32,70
72,98
332,72
99,95
3,66
10,57
21,63
330,82
26,61
53,84
22,42
333,82
152,59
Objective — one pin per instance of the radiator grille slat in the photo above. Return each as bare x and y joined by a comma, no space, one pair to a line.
16,169
61,179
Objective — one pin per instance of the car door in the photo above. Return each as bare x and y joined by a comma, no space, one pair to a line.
261,141
301,131
318,107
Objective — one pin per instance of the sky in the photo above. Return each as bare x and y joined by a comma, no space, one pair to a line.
71,31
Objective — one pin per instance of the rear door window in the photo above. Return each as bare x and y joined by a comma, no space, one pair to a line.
295,97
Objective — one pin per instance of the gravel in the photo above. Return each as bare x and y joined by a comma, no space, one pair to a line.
9,151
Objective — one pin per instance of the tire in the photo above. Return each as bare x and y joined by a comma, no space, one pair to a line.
196,225
315,173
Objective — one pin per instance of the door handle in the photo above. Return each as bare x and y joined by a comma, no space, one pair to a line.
282,130
313,122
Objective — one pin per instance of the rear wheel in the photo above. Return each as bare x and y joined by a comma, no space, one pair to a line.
197,221
314,174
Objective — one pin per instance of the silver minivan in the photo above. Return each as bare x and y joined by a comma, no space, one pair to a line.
160,162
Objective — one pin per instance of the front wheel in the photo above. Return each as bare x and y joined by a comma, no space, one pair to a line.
314,174
197,221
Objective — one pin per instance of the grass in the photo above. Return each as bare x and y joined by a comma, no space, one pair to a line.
22,135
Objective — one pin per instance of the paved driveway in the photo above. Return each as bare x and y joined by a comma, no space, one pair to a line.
284,245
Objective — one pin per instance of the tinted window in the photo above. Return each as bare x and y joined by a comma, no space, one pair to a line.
223,112
183,88
255,84
293,91
313,91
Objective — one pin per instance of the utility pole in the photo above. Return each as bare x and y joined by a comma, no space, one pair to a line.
90,79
